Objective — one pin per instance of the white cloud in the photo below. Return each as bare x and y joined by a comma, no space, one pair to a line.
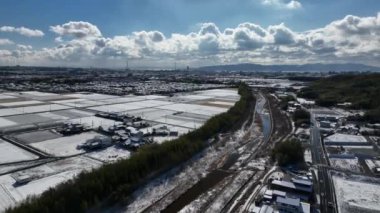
4,41
22,31
24,47
77,29
347,39
293,5
282,4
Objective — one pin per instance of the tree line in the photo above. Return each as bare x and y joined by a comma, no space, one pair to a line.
114,183
361,90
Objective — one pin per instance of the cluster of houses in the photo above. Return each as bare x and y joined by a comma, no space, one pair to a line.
346,140
126,134
292,195
73,128
111,87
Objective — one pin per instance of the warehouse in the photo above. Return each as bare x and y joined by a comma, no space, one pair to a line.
339,139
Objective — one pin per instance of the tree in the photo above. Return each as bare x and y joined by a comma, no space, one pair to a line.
288,152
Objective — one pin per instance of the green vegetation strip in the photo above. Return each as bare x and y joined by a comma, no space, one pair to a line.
116,182
361,90
289,152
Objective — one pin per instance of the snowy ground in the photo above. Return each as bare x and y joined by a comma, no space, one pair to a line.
6,122
357,193
20,103
95,122
346,164
65,146
36,136
91,96
44,177
372,164
110,154
171,111
31,109
12,153
307,156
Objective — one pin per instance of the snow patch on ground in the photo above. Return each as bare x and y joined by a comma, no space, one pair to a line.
346,164
372,164
12,153
44,177
110,154
65,146
357,193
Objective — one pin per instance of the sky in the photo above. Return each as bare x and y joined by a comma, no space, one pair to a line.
159,33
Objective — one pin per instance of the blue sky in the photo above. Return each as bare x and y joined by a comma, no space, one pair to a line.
124,17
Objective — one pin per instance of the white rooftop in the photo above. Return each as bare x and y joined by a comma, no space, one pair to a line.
344,138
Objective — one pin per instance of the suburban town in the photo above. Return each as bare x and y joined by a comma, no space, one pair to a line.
216,106
53,132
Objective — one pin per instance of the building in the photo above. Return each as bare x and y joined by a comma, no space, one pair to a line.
261,209
287,204
296,188
339,139
325,124
291,205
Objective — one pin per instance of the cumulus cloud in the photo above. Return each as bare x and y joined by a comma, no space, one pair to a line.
293,5
283,4
24,47
5,53
81,43
22,31
4,41
77,29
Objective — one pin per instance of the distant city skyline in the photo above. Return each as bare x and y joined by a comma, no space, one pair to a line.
193,33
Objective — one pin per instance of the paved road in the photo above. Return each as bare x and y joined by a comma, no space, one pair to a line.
325,187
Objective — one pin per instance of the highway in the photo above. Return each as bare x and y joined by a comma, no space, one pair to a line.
324,184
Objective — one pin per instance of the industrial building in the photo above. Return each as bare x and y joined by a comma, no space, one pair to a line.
339,139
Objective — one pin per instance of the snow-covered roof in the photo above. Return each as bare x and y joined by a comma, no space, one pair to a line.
288,201
305,207
279,193
344,138
302,182
291,185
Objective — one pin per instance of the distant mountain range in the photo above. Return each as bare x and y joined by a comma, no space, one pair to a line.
304,67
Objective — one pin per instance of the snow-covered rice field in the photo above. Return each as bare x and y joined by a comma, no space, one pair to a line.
72,113
20,103
372,164
346,164
11,153
36,93
91,96
123,99
83,103
151,114
110,154
181,113
65,146
31,109
194,108
95,122
36,136
357,193
44,177
223,103
5,122
6,96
